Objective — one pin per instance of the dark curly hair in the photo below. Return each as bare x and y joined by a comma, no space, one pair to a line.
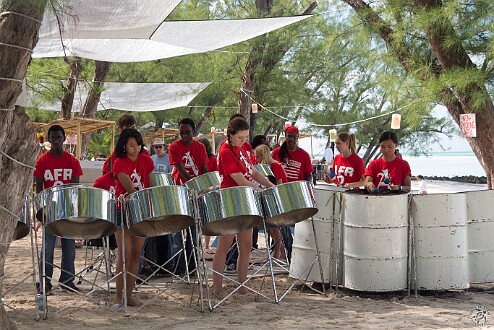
124,137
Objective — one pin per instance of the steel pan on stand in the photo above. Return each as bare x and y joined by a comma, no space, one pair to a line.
264,169
24,224
80,212
230,210
288,203
159,210
480,226
441,252
375,241
163,179
204,183
327,222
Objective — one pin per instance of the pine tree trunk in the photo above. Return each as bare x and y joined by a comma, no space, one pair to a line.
17,136
93,97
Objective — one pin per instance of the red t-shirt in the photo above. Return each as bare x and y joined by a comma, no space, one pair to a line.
112,157
106,181
212,164
248,151
56,171
137,170
347,170
193,157
279,172
298,164
238,162
396,171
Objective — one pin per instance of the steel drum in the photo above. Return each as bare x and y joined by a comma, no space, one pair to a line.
24,223
230,210
288,203
264,169
204,183
159,210
80,212
41,199
163,179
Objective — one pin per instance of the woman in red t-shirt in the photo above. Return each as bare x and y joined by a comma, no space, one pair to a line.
263,156
133,171
348,167
388,171
235,169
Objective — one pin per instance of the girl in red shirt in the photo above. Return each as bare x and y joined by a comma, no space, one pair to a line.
263,156
388,171
347,166
235,169
133,171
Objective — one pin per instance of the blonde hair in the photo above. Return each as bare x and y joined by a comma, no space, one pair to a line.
263,154
350,138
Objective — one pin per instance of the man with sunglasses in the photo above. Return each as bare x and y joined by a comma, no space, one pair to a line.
160,158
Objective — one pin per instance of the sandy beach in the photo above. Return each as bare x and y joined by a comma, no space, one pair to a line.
171,308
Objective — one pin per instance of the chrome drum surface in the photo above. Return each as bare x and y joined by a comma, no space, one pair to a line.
204,183
163,179
80,212
288,203
159,210
230,210
24,223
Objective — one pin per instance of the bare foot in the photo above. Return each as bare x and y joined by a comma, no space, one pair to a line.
133,302
117,300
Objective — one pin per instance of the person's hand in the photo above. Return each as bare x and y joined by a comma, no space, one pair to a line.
370,187
38,225
327,179
394,187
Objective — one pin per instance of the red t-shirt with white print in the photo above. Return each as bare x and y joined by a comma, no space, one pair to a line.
193,157
347,170
279,172
137,170
236,161
298,164
396,170
56,171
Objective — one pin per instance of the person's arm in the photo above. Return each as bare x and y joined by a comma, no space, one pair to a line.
407,184
39,184
308,177
75,179
126,182
204,168
150,180
279,181
182,171
369,183
256,175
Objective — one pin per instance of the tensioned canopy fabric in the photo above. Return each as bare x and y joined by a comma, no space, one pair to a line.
108,19
172,38
134,96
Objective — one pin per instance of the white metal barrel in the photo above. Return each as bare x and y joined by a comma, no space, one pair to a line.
375,242
327,222
441,251
480,226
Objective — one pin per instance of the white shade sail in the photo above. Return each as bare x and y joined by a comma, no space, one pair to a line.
169,40
134,96
107,19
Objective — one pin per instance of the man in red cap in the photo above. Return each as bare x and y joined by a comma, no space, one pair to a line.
298,166
295,160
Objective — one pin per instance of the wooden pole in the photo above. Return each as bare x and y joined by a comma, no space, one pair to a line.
212,142
79,142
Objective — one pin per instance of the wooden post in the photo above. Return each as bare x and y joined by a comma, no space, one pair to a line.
79,141
212,143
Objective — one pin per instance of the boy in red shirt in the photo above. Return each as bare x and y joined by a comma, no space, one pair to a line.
57,167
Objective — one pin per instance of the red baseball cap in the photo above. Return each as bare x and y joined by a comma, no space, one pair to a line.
292,129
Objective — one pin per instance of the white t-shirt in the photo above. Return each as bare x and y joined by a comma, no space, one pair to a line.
422,186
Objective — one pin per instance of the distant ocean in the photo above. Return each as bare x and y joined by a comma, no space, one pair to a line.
445,164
